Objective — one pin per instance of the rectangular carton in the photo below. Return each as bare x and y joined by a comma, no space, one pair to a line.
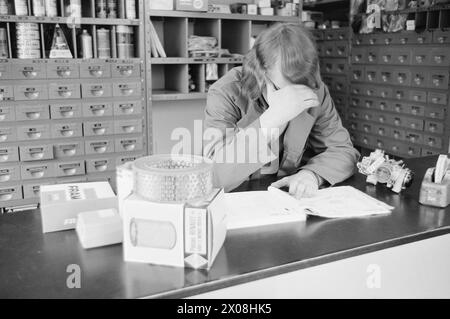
61,204
191,5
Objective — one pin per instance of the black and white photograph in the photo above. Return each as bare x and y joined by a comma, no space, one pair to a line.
225,154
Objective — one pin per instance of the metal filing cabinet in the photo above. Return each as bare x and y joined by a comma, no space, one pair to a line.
69,120
408,73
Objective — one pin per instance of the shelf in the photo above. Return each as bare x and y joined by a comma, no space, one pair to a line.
68,21
194,60
321,2
167,95
206,15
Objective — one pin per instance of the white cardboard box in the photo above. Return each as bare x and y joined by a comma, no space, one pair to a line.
161,4
61,203
182,235
99,228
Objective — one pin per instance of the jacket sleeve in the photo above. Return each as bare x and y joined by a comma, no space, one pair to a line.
237,152
335,158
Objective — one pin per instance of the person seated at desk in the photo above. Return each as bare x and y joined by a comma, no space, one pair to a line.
278,97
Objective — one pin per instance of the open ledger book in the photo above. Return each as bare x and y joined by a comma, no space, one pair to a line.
258,208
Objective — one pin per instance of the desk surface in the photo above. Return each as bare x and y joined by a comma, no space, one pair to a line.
33,265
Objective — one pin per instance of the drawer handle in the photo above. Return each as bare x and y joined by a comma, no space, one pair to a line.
358,58
328,68
370,76
433,114
69,150
99,131
401,79
129,146
30,74
340,51
355,102
381,131
387,40
366,128
100,149
396,135
441,39
438,59
381,119
421,40
431,141
382,106
403,40
69,171
64,73
413,125
128,128
420,58
126,71
384,94
410,151
33,115
385,77
65,93
4,177
341,37
37,172
372,41
328,51
412,139
32,95
372,57
97,73
437,82
386,58
37,154
435,99
353,126
354,115
6,196
395,148
402,58
127,109
101,167
66,113
3,137
432,128
369,104
399,95
358,41
98,111
356,75
67,132
418,80
380,144
127,91
369,92
4,157
397,122
398,108
98,92
34,135
365,141
2,116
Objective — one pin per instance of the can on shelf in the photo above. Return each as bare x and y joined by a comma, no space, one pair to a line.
130,9
112,9
86,45
21,7
4,7
51,8
103,43
100,9
38,8
28,41
125,43
3,43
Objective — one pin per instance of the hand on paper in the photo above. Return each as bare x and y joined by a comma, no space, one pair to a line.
302,184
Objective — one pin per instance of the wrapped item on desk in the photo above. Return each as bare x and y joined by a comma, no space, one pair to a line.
435,188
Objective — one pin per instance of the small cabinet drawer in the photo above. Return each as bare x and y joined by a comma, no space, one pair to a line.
97,109
8,134
414,137
99,146
35,132
8,193
127,108
9,173
28,71
98,128
127,89
7,113
95,70
125,159
32,112
69,149
65,110
31,92
435,112
441,37
64,91
432,141
126,70
32,190
438,80
434,127
66,130
416,110
129,144
437,98
402,77
9,154
63,70
128,126
96,90
99,165
36,152
34,171
418,96
71,168
7,92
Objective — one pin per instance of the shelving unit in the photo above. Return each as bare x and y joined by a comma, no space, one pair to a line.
68,120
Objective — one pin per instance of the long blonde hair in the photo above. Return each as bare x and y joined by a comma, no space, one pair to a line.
293,45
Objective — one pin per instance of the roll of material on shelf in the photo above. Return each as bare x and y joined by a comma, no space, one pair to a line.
172,178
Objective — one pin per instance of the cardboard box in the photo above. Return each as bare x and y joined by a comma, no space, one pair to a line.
266,11
191,5
173,234
161,4
264,3
61,204
252,9
99,228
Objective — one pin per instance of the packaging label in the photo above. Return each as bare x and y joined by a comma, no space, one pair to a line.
195,231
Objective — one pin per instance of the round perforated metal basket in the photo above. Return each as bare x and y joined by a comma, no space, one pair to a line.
173,178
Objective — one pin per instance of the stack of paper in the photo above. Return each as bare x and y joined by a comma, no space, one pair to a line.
258,208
